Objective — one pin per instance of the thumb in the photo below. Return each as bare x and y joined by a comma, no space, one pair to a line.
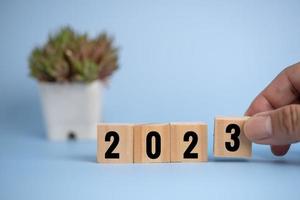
277,127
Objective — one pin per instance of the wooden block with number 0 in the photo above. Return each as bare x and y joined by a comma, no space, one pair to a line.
188,142
152,143
229,138
115,143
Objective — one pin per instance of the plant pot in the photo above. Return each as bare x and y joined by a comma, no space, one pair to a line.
71,110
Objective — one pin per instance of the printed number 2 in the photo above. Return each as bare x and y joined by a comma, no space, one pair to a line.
234,137
109,153
188,152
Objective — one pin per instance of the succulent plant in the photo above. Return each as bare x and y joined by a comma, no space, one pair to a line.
71,57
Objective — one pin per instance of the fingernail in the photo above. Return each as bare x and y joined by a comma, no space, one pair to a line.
258,128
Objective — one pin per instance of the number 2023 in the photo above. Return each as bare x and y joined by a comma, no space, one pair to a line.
189,136
187,144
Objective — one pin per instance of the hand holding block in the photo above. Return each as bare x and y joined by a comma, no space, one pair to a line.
152,143
188,142
229,138
115,143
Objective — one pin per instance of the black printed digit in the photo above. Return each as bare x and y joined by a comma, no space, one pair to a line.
149,150
112,135
235,131
194,140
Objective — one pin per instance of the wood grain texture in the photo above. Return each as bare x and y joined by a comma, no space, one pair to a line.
124,147
179,146
221,137
140,134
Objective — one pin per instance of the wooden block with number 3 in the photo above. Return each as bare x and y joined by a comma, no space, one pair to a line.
115,143
152,143
229,138
188,142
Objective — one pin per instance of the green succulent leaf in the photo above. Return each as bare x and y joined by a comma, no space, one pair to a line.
69,56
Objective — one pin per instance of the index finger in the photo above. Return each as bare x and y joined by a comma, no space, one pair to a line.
283,90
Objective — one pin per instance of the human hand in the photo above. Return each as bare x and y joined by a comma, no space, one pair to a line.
276,112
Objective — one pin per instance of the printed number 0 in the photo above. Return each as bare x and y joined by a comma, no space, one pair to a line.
109,153
156,136
234,137
188,152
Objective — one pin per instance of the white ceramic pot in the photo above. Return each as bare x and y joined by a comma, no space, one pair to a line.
71,110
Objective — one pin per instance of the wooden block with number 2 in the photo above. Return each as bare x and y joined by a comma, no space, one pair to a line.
115,143
229,138
188,142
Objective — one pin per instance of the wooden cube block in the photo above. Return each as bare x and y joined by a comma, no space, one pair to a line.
152,143
188,142
115,143
229,138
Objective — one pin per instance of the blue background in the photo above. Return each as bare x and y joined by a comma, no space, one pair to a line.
180,61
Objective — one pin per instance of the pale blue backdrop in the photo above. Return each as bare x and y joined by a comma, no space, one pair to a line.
179,61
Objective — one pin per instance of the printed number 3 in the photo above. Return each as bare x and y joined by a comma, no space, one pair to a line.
234,137
109,153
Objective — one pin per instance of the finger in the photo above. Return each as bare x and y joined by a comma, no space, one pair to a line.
278,127
280,150
270,98
260,104
283,90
